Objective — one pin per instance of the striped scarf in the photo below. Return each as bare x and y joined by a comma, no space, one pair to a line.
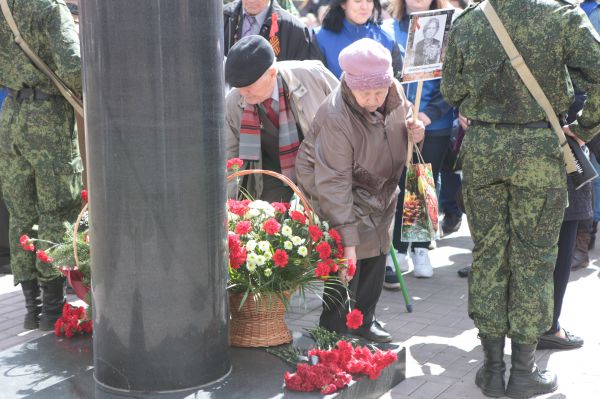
289,141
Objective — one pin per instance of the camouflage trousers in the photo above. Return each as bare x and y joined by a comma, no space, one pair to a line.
514,188
40,170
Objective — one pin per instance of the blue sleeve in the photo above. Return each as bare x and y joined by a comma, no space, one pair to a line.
437,107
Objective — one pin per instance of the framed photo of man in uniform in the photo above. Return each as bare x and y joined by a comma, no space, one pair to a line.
428,33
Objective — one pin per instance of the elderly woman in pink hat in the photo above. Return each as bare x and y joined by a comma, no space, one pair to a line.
349,164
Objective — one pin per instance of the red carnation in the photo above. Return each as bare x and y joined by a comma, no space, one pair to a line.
26,243
43,256
280,258
84,196
324,250
243,227
237,253
315,233
237,207
298,217
326,390
333,267
279,207
322,270
271,226
351,268
58,327
354,319
234,163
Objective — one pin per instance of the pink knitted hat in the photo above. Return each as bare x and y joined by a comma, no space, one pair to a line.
367,65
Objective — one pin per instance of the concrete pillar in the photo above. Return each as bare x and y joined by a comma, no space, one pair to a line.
153,90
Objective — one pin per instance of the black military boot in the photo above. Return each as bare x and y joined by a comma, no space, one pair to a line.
526,380
53,299
490,377
33,304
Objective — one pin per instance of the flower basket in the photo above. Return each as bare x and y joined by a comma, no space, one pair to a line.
75,276
260,322
257,317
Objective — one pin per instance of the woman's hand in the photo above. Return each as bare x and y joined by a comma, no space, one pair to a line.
416,130
425,119
568,132
350,255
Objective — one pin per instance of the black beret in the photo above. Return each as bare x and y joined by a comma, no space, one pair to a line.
248,60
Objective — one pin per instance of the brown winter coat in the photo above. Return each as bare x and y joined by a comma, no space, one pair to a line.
308,82
350,163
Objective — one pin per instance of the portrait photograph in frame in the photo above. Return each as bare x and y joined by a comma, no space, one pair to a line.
428,33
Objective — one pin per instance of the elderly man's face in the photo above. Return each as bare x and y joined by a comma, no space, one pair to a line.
253,7
262,89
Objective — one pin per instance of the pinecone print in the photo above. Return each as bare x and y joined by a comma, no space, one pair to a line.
411,209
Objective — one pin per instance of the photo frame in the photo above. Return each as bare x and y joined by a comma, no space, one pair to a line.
428,33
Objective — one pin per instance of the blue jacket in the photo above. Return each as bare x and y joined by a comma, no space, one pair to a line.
432,102
3,93
332,43
592,9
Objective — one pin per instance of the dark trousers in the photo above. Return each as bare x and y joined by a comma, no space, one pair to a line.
434,152
365,289
4,247
450,186
562,270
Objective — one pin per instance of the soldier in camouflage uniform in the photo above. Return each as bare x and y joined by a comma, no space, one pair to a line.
40,166
514,182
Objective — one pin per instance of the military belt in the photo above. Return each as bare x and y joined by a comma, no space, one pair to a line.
530,125
30,93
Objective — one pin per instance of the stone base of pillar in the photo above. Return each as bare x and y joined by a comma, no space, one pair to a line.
53,368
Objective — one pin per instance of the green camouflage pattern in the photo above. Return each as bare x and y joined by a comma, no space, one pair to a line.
559,45
514,189
40,166
514,181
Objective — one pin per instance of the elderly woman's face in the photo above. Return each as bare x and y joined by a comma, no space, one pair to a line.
358,11
371,99
417,5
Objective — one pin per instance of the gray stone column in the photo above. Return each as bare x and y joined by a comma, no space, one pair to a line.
154,106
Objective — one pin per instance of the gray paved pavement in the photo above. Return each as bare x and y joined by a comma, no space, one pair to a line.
442,346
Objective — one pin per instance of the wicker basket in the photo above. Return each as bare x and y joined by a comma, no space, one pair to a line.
261,321
74,276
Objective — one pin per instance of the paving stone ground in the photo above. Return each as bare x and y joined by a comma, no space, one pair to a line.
443,352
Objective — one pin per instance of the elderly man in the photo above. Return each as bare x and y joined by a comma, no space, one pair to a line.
289,37
269,112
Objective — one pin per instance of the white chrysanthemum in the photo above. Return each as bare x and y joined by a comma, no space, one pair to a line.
251,245
288,245
325,225
263,206
264,246
286,231
268,272
268,255
251,267
251,257
260,260
302,251
297,240
232,216
252,213
297,207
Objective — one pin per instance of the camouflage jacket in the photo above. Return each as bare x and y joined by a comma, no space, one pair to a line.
48,27
559,46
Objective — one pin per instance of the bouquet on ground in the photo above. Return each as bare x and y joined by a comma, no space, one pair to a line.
62,255
277,248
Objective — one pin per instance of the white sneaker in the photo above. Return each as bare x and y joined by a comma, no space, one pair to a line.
402,261
422,263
